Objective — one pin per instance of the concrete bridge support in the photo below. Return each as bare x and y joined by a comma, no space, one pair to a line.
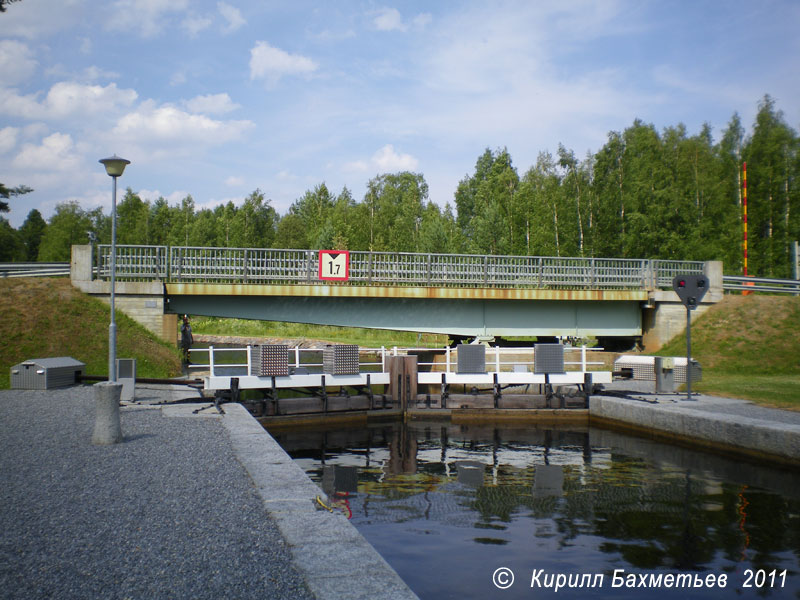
664,316
143,301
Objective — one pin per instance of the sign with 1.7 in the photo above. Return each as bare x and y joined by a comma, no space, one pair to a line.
334,265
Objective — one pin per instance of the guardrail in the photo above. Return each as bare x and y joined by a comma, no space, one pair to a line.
761,284
34,269
373,360
262,265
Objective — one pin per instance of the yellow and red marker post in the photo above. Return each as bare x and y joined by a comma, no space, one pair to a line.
744,204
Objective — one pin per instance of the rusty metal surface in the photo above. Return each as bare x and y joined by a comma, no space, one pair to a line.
431,293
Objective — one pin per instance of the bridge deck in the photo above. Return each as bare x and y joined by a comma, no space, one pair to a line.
445,293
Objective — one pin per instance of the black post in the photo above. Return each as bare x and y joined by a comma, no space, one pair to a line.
689,353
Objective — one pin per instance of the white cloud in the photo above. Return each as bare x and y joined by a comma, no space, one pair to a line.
94,73
150,124
389,19
149,17
57,152
173,198
65,99
194,24
232,15
8,139
268,62
17,63
212,104
234,181
422,20
385,160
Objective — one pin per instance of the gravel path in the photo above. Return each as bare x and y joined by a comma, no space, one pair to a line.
169,513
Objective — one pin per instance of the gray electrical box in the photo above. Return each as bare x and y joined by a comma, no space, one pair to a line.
126,375
46,373
548,358
471,358
664,368
340,359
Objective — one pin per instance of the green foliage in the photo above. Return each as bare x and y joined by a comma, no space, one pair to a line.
31,234
11,245
396,203
69,225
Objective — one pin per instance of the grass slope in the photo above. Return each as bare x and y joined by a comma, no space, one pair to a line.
47,317
371,338
749,347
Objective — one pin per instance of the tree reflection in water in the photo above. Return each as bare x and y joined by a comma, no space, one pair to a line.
576,499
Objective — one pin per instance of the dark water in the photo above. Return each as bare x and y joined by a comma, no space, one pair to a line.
448,505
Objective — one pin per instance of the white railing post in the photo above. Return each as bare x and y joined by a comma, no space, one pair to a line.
249,360
447,364
583,358
383,359
211,360
497,359
297,357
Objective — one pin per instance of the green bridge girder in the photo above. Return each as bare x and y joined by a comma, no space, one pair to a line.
465,312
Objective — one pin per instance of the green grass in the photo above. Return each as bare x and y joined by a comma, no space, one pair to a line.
371,338
748,347
777,391
48,317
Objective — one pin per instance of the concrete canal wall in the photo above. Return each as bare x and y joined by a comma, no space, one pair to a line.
718,424
334,558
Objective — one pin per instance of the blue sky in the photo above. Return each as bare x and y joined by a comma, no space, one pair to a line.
218,98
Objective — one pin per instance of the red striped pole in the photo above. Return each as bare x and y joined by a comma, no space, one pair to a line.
744,204
744,169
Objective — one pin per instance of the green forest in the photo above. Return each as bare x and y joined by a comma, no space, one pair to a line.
645,194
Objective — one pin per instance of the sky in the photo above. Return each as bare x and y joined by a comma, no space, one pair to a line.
219,98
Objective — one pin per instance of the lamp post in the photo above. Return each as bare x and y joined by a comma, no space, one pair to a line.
114,167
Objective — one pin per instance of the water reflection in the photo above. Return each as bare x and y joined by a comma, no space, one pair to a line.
446,505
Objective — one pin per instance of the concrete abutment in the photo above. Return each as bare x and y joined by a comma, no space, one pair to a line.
143,301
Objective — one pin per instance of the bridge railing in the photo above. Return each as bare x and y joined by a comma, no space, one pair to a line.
265,265
134,263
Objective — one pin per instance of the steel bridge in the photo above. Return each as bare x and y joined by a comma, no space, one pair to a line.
455,294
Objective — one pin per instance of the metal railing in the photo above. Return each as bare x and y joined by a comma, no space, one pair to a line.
134,263
270,266
498,359
34,269
761,284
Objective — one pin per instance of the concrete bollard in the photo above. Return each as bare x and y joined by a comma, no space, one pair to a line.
107,429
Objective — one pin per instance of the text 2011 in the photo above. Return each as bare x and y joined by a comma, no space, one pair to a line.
762,578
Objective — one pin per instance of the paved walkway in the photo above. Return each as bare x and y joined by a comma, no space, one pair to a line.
183,508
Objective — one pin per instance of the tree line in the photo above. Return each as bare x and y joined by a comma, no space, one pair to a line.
645,194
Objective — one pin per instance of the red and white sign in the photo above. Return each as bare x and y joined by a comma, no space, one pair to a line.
334,265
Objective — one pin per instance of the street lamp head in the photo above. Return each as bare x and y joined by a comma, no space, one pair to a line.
115,165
